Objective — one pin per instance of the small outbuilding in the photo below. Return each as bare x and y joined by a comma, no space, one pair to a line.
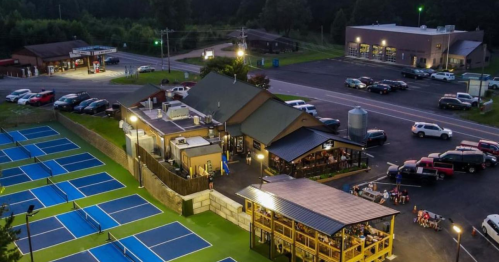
199,159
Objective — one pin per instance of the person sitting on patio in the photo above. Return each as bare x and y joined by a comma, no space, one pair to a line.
385,198
404,197
344,163
331,159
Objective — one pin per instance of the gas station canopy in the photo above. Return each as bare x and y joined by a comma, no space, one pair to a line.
92,51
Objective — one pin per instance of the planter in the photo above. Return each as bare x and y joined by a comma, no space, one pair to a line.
338,176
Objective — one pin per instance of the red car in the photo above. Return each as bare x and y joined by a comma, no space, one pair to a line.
442,168
42,98
485,146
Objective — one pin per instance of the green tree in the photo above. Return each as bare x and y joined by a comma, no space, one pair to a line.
227,66
338,27
285,15
173,14
260,80
8,251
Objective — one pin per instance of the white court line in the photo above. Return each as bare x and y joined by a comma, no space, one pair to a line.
478,231
20,134
40,149
125,209
134,236
466,251
119,224
15,176
23,201
69,181
97,183
44,232
92,254
36,197
70,143
227,258
173,239
65,227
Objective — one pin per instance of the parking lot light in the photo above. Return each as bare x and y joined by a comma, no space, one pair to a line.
261,157
458,231
240,53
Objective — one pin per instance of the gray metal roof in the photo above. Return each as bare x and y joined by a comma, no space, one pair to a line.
291,210
218,95
203,150
234,130
404,29
277,178
269,120
139,95
255,35
58,49
321,207
302,141
463,47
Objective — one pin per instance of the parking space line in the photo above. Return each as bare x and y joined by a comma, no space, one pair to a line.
466,251
369,155
478,231
391,164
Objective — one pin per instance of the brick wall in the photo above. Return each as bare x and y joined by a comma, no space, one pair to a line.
160,191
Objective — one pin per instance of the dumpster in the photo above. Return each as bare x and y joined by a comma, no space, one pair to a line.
275,62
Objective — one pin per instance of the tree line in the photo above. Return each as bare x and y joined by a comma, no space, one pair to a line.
136,22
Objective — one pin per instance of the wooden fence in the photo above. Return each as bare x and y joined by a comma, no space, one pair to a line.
178,184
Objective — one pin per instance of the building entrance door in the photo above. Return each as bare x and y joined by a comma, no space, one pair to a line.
414,60
377,52
364,50
353,49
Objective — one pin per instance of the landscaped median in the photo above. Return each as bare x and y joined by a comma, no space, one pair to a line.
155,78
340,174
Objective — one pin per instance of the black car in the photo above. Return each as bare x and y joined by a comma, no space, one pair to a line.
375,137
331,123
366,80
469,161
70,101
412,73
395,85
379,88
79,108
490,160
410,170
112,60
453,103
96,107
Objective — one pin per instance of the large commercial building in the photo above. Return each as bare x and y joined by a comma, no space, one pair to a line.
417,46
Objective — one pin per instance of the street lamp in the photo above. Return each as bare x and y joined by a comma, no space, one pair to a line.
357,39
29,214
458,231
134,119
420,9
261,157
240,53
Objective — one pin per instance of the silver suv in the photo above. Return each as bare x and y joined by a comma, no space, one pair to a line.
422,129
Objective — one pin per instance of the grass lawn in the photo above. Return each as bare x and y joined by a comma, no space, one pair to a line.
290,97
155,78
491,118
107,127
492,69
305,55
227,239
12,114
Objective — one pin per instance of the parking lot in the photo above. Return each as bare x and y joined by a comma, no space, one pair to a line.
467,199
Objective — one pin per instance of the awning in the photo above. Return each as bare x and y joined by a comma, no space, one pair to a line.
234,130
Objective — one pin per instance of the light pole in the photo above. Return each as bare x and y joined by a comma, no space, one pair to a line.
134,119
458,231
240,54
29,214
419,15
261,157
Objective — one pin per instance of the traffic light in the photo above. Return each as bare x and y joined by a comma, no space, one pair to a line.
156,42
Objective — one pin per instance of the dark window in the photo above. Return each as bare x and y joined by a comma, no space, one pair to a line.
451,157
486,59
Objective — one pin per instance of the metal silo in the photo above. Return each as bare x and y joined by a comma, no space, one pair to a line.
357,124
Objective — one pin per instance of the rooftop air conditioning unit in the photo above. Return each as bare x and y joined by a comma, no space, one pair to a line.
208,119
178,112
180,140
440,29
423,27
165,106
160,113
196,120
450,28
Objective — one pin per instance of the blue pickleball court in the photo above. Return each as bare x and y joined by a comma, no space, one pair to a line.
26,134
38,149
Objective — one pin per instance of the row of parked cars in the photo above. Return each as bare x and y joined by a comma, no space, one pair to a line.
420,73
79,102
382,87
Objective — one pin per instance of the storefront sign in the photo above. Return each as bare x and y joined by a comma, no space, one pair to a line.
257,145
106,51
328,144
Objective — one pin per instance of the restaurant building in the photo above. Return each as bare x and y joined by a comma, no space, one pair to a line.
417,46
241,119
302,220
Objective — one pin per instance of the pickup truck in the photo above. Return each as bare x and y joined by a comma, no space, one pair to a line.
410,170
469,161
494,83
442,168
486,146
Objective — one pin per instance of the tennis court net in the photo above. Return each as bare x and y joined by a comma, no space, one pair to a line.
7,134
129,254
43,165
24,149
58,189
92,221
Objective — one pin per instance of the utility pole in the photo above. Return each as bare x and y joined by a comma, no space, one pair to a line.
168,48
243,40
60,16
322,35
165,32
448,47
162,60
481,77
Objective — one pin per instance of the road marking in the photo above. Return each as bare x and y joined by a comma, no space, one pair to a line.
369,155
391,164
342,130
466,251
396,184
478,231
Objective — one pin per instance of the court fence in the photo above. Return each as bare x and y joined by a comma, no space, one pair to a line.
22,116
177,183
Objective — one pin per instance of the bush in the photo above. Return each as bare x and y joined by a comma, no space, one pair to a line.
489,93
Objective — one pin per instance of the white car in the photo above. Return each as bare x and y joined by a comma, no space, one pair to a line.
145,69
179,89
24,100
14,96
422,129
445,76
490,227
308,108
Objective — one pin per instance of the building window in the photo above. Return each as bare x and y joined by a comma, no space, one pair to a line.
364,50
403,56
353,49
439,46
377,52
391,54
486,59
